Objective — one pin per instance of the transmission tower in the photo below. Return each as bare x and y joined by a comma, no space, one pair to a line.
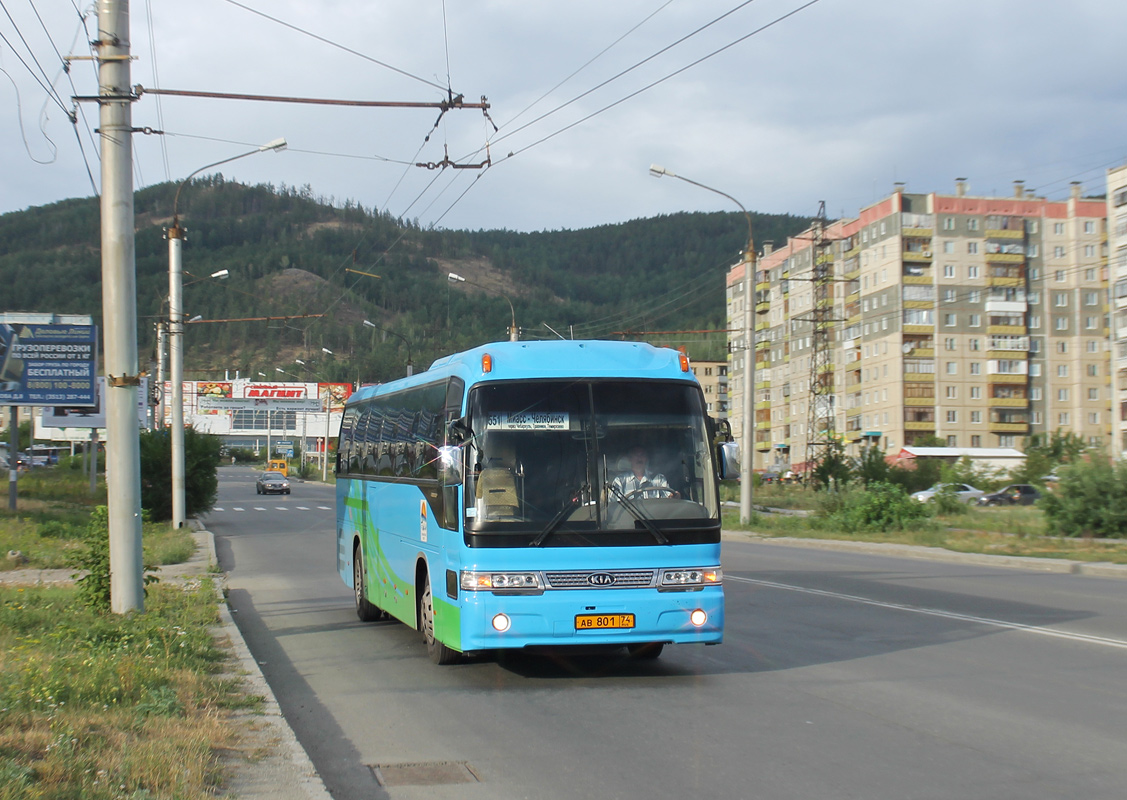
821,411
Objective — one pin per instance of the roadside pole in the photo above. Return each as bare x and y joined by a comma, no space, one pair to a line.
119,307
13,455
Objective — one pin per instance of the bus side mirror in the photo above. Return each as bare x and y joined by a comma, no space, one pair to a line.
458,431
450,465
728,459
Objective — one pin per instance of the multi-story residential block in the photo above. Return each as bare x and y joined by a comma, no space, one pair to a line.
1117,248
976,320
713,378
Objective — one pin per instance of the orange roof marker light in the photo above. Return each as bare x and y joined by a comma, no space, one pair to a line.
486,362
684,362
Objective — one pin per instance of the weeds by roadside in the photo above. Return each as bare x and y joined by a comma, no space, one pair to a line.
110,706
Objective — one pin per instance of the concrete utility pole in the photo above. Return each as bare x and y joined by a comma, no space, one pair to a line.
119,308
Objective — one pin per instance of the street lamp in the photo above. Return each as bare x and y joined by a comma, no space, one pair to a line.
454,277
748,415
176,332
410,364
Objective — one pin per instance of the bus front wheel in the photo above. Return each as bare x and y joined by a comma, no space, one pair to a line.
365,609
438,652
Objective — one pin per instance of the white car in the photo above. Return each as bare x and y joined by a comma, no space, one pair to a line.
964,491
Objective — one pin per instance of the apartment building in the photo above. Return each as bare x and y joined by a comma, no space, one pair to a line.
713,379
976,320
1117,249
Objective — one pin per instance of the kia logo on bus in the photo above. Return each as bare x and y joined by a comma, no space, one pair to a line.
601,579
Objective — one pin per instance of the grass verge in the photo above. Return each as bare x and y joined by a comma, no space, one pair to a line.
107,706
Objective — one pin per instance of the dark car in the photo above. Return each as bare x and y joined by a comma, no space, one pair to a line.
1017,494
272,483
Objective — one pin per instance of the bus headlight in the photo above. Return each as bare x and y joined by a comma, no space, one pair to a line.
691,577
492,581
502,623
698,617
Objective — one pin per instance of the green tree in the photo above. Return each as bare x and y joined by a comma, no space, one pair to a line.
833,471
872,466
201,480
1046,453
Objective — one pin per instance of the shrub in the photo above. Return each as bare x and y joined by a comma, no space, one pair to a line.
1090,500
947,500
201,481
881,507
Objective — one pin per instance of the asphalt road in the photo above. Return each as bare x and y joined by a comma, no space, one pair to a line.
842,676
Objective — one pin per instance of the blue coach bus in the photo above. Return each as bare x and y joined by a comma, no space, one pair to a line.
535,494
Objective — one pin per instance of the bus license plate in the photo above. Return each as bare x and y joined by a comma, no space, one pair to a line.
590,622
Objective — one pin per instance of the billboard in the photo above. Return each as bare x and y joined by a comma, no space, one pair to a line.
93,416
47,364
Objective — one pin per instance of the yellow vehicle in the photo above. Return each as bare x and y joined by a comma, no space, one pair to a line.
278,465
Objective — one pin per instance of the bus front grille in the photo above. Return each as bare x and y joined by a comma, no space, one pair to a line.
602,579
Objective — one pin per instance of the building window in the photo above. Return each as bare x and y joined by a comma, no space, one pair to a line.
1093,370
1062,347
1091,299
976,441
1063,419
972,224
949,343
975,368
1089,252
948,223
1060,323
1094,418
1058,228
1062,370
974,344
1034,274
952,368
1089,226
976,393
1034,250
1091,322
952,392
952,416
949,320
1006,440
948,270
1093,346
1058,275
1090,274
976,416
975,320
952,441
1034,320
1062,395
1093,394
949,296
1035,393
972,247
974,295
972,272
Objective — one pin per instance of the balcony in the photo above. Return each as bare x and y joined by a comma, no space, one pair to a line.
1008,402
995,233
919,426
1009,427
1007,330
916,256
918,402
1006,306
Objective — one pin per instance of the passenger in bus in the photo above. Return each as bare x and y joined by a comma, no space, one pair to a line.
637,482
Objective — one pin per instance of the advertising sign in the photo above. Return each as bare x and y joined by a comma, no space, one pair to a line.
93,416
47,364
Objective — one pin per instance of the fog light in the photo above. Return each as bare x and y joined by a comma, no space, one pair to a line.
502,623
698,617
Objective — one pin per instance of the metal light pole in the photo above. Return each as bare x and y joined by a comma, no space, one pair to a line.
176,332
747,458
410,365
454,277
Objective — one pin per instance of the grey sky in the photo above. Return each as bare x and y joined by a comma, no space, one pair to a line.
834,103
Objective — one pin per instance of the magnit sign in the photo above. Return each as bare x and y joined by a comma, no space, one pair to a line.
276,391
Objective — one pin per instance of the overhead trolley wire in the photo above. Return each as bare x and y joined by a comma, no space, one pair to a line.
338,46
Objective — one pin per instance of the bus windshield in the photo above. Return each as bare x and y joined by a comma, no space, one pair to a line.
588,462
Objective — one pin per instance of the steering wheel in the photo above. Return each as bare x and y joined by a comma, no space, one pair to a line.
644,489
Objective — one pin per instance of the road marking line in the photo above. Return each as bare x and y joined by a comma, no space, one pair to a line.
324,508
302,508
935,612
259,508
238,509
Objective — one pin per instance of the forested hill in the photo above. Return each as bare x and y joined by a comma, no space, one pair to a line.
305,275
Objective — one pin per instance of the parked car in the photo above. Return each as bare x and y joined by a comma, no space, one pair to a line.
1016,494
272,483
964,491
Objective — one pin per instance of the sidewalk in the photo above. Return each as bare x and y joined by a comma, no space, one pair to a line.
268,762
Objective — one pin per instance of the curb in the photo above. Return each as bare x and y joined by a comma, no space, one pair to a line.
1101,569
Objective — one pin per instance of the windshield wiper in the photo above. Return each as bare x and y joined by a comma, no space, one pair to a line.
556,521
638,515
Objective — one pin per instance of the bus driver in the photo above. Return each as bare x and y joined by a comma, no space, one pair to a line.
639,482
